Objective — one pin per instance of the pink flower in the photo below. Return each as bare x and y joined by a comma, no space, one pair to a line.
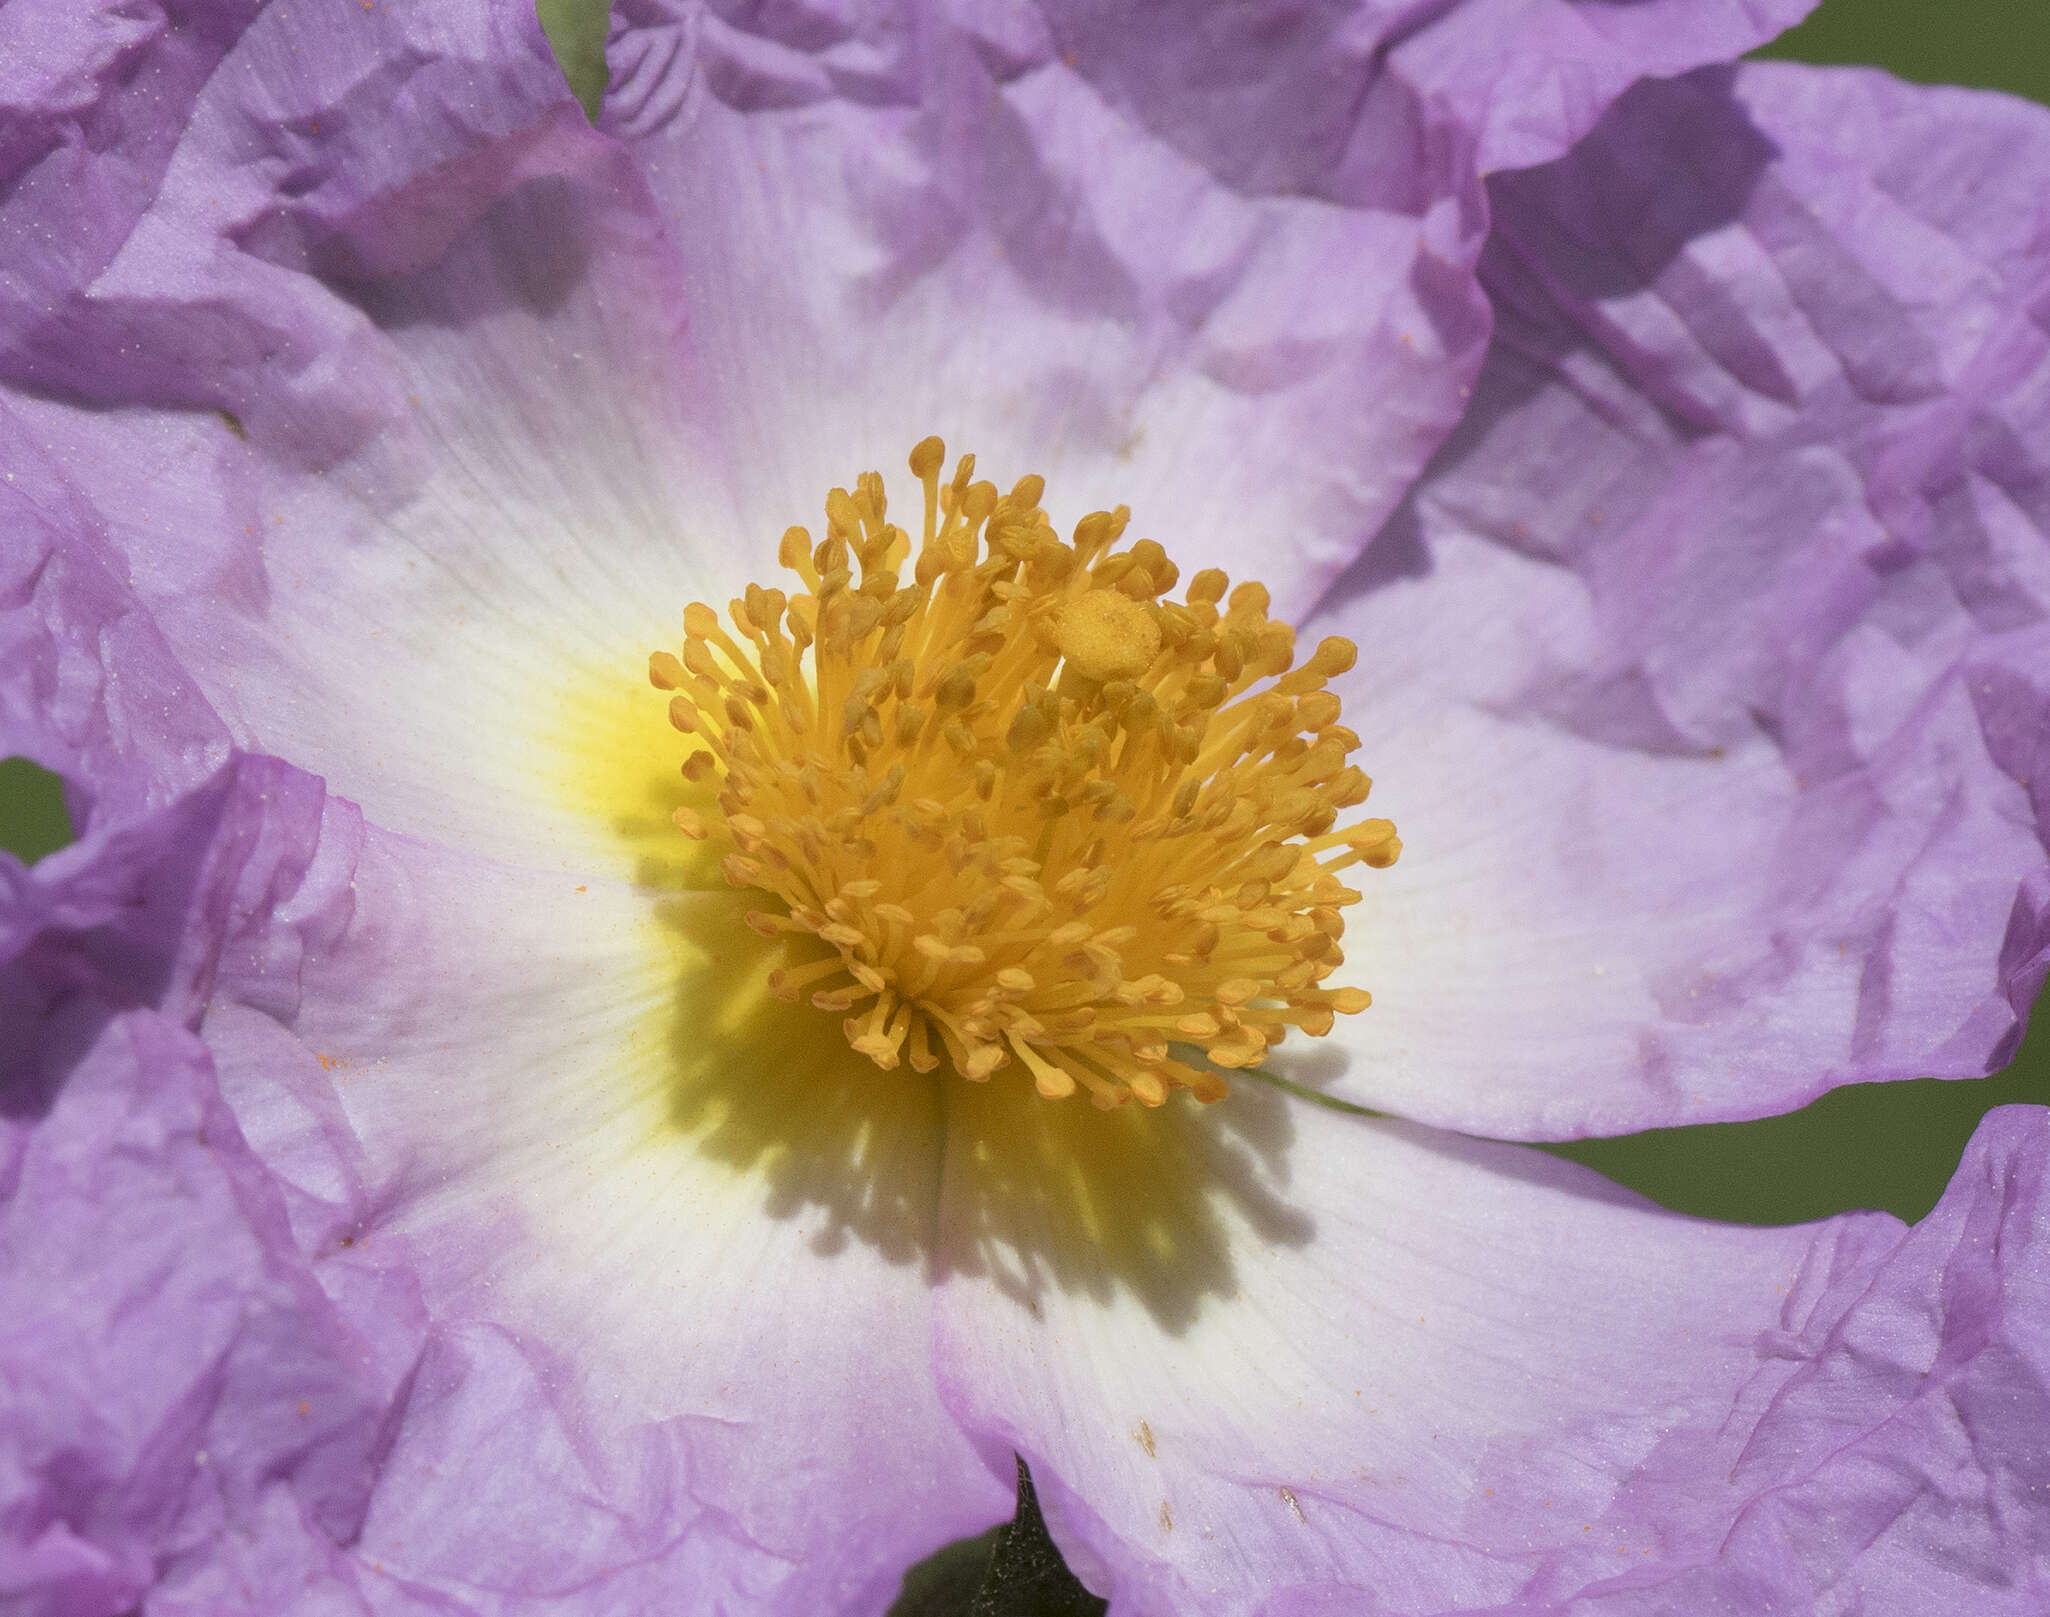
416,1203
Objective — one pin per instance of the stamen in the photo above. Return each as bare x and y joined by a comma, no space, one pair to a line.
1022,807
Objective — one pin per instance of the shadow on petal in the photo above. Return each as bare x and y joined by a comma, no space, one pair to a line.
1059,1193
1144,1202
1137,1202
773,1089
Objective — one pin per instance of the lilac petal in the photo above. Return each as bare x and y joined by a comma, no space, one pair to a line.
891,226
531,464
1901,1469
113,915
437,622
2008,676
1378,101
95,99
516,457
88,687
673,1255
1275,1361
202,146
139,918
173,1367
494,449
277,1563
360,145
1722,803
1228,284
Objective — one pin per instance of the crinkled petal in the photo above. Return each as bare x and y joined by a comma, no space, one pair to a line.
174,1369
95,97
515,448
1385,101
900,222
512,447
1532,76
1718,802
637,1377
169,166
555,424
415,622
1901,1469
339,492
1263,1361
673,1244
89,689
1217,267
2008,676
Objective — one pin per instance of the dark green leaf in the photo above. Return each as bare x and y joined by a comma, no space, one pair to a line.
576,32
1012,1570
1027,1577
33,820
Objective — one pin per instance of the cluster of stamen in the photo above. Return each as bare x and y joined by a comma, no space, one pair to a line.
1022,806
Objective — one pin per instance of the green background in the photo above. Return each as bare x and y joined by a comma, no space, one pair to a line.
1869,1145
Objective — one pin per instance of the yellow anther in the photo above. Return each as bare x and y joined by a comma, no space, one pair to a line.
1374,843
1017,808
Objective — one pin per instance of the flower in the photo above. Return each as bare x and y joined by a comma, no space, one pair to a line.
417,1202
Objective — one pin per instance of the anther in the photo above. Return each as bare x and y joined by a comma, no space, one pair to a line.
1022,809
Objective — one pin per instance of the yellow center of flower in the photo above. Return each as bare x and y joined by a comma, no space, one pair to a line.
1022,807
